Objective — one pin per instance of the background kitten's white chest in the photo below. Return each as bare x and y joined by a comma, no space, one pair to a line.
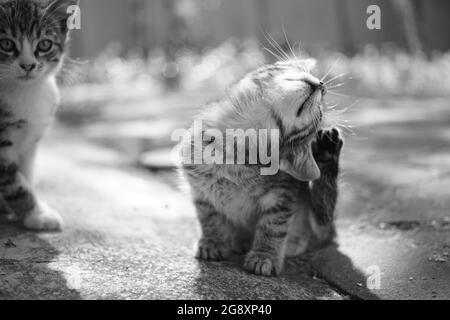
35,106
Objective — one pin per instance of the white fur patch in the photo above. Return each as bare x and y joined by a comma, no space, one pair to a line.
34,103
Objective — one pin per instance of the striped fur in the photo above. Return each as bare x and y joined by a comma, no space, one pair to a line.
33,40
269,217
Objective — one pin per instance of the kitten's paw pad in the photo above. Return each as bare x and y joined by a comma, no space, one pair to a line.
262,264
212,251
44,218
328,145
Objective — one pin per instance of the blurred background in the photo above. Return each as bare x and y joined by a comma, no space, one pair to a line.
143,25
142,67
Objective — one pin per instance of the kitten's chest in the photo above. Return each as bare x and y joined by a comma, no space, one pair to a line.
32,107
35,105
236,198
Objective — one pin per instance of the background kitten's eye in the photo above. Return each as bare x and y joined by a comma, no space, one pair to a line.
45,45
7,45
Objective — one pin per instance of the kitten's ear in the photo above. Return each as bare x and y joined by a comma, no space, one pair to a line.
60,8
301,164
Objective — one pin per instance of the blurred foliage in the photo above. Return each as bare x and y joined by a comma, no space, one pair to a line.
393,72
218,66
374,72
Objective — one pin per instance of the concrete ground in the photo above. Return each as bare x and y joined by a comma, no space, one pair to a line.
130,232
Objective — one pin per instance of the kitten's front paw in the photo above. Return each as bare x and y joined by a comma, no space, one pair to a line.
211,250
262,264
328,146
43,218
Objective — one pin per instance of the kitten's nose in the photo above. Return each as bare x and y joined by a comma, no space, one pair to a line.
28,67
323,88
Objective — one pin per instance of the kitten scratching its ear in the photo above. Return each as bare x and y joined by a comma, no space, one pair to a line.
300,163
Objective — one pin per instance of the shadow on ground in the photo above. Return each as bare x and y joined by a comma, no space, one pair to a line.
300,279
24,267
228,280
341,273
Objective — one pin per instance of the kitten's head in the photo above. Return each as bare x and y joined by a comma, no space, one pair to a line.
33,38
290,98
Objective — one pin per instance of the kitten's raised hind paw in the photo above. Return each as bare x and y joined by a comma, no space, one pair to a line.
328,146
262,264
212,251
43,218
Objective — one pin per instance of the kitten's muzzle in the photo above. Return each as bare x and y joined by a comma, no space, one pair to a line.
323,88
28,67
317,85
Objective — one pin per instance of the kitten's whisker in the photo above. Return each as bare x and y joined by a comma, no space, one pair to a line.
335,78
299,52
274,54
333,119
280,49
336,86
330,69
332,106
276,46
346,109
333,83
339,94
269,41
353,105
289,45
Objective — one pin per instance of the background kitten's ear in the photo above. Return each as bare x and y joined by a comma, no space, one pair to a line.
59,8
301,165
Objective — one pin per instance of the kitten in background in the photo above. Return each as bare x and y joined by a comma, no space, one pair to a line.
33,44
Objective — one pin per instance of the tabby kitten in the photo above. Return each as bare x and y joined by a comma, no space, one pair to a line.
33,38
269,216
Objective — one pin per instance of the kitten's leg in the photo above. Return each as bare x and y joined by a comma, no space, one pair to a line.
43,217
18,195
300,232
267,254
26,164
215,242
15,188
324,190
